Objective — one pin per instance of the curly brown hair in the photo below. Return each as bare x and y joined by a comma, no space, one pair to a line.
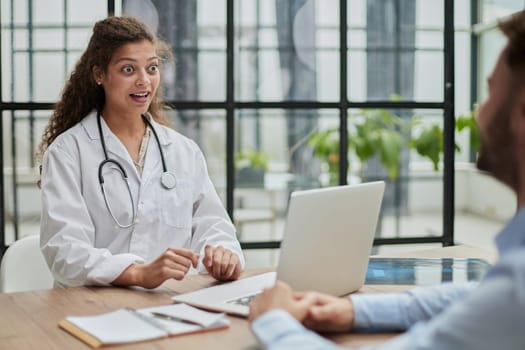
81,94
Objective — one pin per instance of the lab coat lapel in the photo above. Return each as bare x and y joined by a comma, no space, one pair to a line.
114,147
152,163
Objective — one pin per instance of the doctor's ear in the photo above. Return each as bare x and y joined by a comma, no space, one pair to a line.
98,75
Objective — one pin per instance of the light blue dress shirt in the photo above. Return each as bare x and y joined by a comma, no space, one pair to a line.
488,315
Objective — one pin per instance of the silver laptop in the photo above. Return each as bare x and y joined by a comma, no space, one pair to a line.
326,247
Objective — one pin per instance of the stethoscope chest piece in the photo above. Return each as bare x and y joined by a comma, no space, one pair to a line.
168,180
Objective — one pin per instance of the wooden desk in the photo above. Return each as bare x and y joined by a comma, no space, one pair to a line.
29,320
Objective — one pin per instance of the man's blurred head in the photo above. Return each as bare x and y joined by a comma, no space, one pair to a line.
499,116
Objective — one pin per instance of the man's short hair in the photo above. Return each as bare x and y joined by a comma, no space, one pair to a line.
514,29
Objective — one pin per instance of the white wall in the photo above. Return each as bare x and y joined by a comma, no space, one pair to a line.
475,193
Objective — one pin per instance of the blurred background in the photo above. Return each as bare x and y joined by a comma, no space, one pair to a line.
285,95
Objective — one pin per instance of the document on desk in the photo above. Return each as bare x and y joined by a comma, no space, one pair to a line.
128,326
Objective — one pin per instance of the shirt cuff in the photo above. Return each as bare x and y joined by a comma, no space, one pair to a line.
378,312
273,325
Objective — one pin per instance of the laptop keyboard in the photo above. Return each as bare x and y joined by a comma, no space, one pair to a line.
245,300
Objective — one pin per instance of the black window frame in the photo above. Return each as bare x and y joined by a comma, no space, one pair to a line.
230,105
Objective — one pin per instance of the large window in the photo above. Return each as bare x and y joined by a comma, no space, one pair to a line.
255,83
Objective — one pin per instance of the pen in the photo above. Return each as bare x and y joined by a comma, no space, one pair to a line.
173,318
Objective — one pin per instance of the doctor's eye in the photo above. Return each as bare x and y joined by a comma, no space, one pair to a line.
127,69
153,68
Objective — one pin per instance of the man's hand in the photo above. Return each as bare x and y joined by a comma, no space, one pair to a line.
221,263
173,263
330,314
281,297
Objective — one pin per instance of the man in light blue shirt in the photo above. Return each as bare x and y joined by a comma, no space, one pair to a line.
488,315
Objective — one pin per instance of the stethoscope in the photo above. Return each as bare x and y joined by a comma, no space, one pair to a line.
167,179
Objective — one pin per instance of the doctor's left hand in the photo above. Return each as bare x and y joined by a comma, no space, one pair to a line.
221,263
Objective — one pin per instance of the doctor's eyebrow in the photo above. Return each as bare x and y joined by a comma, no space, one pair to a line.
135,60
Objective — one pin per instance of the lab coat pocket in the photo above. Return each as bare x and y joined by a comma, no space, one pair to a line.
177,205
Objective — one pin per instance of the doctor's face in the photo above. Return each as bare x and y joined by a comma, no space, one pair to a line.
131,79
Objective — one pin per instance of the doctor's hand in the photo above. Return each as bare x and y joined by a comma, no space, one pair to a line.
221,263
281,297
173,263
330,314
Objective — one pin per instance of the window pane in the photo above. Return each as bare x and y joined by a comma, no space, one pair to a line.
356,13
18,12
357,64
287,50
195,31
428,69
36,56
207,128
394,46
212,87
22,133
48,12
77,39
48,76
48,39
19,85
462,14
86,12
273,157
462,72
413,200
493,10
430,13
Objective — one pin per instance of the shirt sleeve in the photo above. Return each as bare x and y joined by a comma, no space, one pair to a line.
211,223
399,311
279,330
490,316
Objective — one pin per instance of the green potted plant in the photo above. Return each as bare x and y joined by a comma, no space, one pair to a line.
381,133
429,143
251,166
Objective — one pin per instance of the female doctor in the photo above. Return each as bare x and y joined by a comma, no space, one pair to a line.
125,199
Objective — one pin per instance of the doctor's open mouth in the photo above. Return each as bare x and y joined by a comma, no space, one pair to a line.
140,96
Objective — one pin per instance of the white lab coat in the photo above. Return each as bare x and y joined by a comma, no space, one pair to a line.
80,240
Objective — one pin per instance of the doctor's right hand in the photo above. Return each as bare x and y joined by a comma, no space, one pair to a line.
173,263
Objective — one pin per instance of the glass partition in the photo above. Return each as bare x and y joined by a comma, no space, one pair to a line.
258,81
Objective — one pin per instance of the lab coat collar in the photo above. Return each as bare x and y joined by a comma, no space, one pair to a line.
161,131
113,146
116,149
90,125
